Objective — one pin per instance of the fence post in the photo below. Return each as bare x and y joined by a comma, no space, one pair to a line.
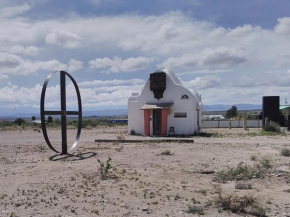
230,123
245,123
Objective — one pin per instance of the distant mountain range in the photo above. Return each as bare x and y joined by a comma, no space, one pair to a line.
226,107
124,112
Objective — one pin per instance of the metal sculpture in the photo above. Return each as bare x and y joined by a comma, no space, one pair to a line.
63,112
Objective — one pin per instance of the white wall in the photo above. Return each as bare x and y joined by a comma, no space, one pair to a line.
173,93
235,124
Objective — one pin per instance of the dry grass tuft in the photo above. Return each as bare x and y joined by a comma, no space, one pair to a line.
243,185
195,210
285,152
239,204
244,172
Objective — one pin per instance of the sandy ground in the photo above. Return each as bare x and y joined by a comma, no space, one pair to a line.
143,182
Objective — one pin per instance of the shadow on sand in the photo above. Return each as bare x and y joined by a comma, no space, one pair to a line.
72,157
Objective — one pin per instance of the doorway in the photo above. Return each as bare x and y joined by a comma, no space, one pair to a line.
157,122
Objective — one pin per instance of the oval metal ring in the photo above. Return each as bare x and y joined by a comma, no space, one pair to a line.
63,113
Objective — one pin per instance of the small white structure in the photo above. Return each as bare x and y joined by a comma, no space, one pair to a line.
164,107
213,117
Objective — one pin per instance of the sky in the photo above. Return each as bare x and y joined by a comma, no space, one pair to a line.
230,51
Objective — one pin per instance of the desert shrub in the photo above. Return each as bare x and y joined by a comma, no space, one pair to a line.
49,119
19,121
104,169
72,123
243,171
265,163
166,152
253,158
133,132
243,185
54,123
90,122
272,127
6,124
239,204
195,210
285,152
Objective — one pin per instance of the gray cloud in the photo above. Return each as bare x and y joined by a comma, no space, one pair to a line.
14,10
117,64
29,50
220,57
64,38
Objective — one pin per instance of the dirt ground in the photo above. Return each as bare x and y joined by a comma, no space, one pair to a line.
143,181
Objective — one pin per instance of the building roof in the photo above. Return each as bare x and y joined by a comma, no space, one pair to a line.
284,106
164,105
172,76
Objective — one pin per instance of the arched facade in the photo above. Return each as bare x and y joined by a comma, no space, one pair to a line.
178,108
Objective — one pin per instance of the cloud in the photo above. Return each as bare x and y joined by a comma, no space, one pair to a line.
246,89
51,65
14,10
95,93
223,56
111,82
204,71
99,3
3,77
13,95
13,64
30,50
117,64
203,83
195,3
282,62
8,61
283,26
243,31
74,65
174,39
220,57
64,38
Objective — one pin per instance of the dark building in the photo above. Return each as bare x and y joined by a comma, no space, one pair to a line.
271,106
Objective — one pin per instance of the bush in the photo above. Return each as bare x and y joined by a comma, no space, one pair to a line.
104,169
285,152
239,204
232,112
195,210
243,185
272,127
49,119
244,172
19,121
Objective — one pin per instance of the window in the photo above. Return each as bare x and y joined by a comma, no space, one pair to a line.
180,114
184,97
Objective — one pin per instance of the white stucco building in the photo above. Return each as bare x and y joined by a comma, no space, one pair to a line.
164,105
